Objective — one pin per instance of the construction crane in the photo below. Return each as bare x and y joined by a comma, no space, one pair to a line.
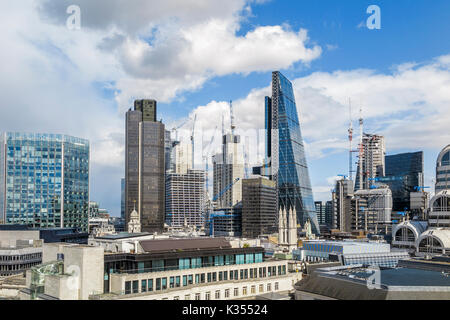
175,129
192,139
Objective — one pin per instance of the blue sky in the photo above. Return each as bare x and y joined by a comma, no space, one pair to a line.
194,56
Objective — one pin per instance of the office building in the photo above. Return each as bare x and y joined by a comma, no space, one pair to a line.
166,269
403,175
145,165
372,161
44,180
122,198
228,166
443,170
259,207
285,152
225,222
324,211
185,198
342,205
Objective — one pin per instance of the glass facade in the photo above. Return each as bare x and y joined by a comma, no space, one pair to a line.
404,172
45,180
287,153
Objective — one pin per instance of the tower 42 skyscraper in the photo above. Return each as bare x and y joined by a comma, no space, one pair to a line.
285,152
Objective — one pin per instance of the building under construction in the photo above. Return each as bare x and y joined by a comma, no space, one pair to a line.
185,198
372,161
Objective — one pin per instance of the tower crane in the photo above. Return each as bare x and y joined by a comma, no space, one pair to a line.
192,139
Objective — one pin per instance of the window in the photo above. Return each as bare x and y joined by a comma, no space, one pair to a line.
279,270
217,294
231,275
276,286
220,276
208,296
127,287
236,274
177,281
150,285
158,284
253,289
172,282
269,287
225,275
187,297
261,288
176,298
269,271
144,285
190,281
214,276
197,296
283,269
242,274
246,274
274,271
197,278
164,283
236,292
240,258
184,281
227,293
136,286
244,291
251,273
202,278
209,277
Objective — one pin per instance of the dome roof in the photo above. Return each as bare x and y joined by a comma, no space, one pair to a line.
134,214
442,235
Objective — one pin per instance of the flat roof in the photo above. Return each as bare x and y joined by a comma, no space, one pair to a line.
123,235
184,244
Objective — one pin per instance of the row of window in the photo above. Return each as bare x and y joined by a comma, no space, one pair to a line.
21,257
158,284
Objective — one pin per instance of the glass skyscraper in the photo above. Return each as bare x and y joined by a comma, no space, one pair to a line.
44,180
285,152
404,172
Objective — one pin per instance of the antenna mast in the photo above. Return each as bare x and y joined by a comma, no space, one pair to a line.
350,139
232,118
361,148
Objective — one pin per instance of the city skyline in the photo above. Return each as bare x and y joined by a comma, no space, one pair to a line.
98,71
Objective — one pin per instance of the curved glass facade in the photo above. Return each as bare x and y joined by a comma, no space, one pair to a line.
288,161
45,180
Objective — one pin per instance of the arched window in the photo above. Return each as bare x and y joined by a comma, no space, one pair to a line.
445,161
430,245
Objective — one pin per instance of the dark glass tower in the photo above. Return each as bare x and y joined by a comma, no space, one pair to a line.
145,166
285,152
404,172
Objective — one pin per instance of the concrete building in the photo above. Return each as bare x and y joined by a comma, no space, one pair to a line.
372,161
18,259
145,165
225,222
185,198
443,170
10,234
68,272
342,205
259,207
419,204
175,269
227,167
324,211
